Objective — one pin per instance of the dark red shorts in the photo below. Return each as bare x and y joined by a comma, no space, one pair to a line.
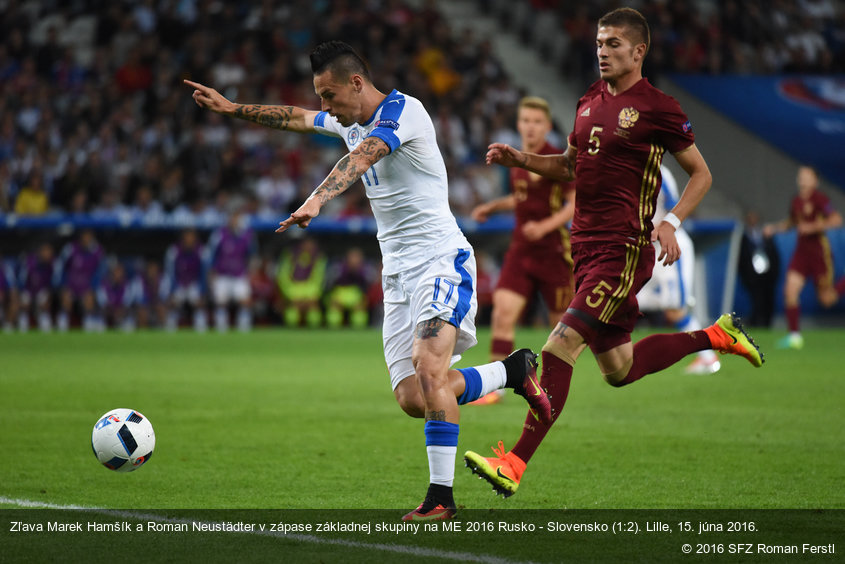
607,279
814,262
526,272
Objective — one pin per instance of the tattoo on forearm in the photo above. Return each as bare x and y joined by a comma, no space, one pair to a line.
277,117
436,415
428,329
346,171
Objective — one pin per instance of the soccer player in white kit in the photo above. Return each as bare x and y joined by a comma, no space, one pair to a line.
670,289
429,274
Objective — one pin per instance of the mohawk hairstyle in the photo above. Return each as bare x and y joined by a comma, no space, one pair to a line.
631,19
339,58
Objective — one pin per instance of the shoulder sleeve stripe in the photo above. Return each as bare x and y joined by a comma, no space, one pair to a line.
320,119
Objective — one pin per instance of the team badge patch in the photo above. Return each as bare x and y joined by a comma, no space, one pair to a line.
353,136
387,123
687,127
628,117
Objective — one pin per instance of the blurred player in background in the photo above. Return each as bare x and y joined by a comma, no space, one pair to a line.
9,296
149,296
811,214
347,293
184,281
230,249
301,279
428,265
115,297
36,284
670,290
623,126
539,257
80,267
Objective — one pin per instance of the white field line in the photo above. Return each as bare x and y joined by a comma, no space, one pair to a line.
394,548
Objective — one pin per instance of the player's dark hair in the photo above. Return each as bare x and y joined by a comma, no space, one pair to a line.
339,58
631,19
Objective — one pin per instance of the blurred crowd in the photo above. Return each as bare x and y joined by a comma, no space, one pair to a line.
94,117
703,36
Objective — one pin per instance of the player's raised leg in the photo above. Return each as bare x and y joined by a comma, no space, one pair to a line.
433,345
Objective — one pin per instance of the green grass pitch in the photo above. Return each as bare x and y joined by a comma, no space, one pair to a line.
281,419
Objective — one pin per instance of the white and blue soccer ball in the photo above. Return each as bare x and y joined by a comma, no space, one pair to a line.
123,440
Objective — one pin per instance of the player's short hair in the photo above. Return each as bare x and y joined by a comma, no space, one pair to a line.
339,58
536,103
631,19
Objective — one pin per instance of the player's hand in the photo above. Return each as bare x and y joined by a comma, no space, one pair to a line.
664,234
808,227
210,99
480,213
533,230
301,217
505,155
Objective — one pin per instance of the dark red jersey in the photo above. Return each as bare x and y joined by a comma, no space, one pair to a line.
817,206
621,141
536,199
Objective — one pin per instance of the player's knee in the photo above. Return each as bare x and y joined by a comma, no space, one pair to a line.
409,399
615,379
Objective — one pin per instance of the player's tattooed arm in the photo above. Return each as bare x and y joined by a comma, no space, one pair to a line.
350,168
344,174
277,117
290,118
429,328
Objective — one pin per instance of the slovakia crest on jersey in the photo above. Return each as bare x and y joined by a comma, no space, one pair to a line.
353,136
628,117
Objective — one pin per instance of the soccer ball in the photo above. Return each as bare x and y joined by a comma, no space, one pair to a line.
123,440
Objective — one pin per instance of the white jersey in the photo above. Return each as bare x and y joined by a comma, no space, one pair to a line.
407,189
670,287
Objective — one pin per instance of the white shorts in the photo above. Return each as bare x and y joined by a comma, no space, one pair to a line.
227,288
670,287
443,288
187,294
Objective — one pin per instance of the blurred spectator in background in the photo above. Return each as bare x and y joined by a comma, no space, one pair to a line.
36,281
230,249
9,296
301,279
759,267
32,199
184,283
115,297
347,291
79,270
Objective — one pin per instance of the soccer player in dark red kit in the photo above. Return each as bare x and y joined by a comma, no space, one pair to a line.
539,257
623,127
811,213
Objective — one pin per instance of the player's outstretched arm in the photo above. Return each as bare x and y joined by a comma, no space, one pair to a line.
344,174
699,183
482,212
288,118
556,167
